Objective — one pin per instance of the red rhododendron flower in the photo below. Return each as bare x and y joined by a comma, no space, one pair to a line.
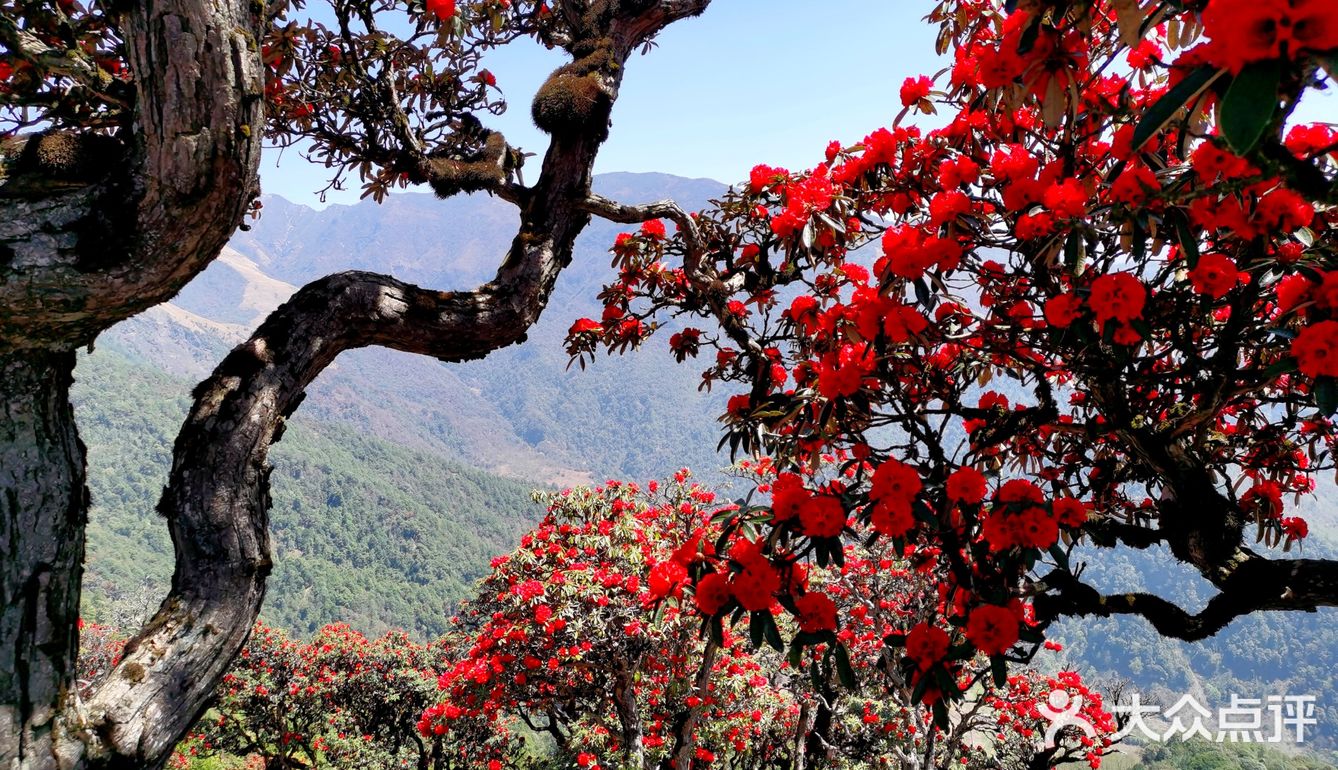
1214,275
1326,294
585,326
1245,31
892,517
915,89
1020,491
1316,349
1134,186
788,495
1284,210
926,645
1295,528
1070,512
1062,311
1263,498
1029,227
1020,518
895,480
948,206
762,177
442,9
1309,139
966,485
903,322
1117,296
822,516
992,629
712,593
1314,25
817,612
757,581
653,229
843,373
1068,199
666,577
738,404
1292,290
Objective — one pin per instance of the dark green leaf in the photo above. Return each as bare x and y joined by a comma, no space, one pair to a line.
810,638
999,668
1165,108
1250,103
1061,558
844,670
921,686
1075,252
757,627
941,714
1326,395
1030,35
1285,366
1185,236
773,634
922,294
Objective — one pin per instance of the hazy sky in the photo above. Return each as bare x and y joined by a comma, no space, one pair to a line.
748,82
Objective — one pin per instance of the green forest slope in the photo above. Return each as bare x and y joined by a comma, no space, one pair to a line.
365,531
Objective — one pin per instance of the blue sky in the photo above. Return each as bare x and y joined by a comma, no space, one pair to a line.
747,82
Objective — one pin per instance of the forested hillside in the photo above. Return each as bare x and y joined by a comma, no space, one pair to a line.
378,535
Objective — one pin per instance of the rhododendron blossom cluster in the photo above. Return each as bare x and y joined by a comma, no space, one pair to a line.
1097,306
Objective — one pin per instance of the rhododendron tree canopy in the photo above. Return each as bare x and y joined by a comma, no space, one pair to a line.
1094,307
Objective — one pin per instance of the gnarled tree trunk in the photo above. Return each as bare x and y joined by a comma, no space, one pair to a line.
42,514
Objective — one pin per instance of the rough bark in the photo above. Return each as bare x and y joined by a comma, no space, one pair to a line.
803,726
124,228
629,717
77,259
42,507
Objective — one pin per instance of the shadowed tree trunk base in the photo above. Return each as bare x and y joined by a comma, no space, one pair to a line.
43,507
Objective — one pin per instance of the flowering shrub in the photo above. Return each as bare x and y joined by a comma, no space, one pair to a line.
588,633
340,700
100,647
1097,305
570,640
